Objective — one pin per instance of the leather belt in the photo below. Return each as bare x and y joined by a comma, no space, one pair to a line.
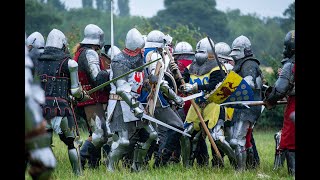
115,97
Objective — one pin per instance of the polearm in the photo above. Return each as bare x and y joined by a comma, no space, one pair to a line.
216,57
196,109
111,32
119,77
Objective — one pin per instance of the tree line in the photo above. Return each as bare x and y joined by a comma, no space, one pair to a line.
184,20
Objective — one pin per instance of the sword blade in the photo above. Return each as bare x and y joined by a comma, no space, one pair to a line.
250,103
164,124
193,96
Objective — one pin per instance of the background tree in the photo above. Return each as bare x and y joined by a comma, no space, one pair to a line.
87,4
288,23
124,9
184,20
40,17
57,4
201,15
103,5
264,34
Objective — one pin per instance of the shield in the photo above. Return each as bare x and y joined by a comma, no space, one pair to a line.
232,88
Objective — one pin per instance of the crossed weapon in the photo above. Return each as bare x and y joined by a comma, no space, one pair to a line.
145,116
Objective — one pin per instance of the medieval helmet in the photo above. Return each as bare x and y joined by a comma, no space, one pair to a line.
204,46
203,51
289,44
183,48
57,39
106,50
134,40
93,34
241,47
35,40
223,50
155,38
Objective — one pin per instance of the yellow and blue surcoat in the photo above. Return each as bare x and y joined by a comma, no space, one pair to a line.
210,111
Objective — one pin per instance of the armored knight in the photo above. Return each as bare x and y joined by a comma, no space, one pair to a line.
37,141
106,59
93,72
59,79
169,140
203,75
183,55
285,87
247,66
223,50
124,110
35,44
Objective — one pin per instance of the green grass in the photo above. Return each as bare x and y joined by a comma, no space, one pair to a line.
265,145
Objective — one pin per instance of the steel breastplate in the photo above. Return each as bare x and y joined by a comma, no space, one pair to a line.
98,96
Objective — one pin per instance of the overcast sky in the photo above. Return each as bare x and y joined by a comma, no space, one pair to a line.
149,8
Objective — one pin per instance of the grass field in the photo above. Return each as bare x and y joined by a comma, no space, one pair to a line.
265,145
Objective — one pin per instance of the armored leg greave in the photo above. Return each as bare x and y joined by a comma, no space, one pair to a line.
118,148
67,135
279,156
141,149
74,159
291,161
91,150
100,132
279,159
186,146
238,141
219,138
